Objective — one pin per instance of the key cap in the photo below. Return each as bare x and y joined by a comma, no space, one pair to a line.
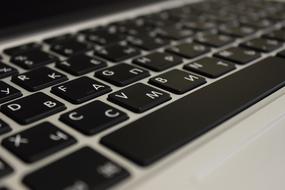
237,31
5,169
22,48
158,61
210,67
33,59
8,92
276,35
238,55
214,40
117,52
56,39
122,74
177,81
80,90
173,33
147,42
256,23
83,120
189,50
38,142
261,44
4,127
6,70
139,97
103,37
84,169
32,108
81,64
199,25
38,79
69,47
196,113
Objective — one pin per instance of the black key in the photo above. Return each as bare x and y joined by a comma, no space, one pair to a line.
56,39
8,92
80,64
214,40
186,119
199,25
122,74
147,42
32,108
256,23
38,142
22,48
139,97
103,37
38,79
276,35
173,33
4,127
80,90
158,61
189,50
237,31
84,169
117,52
93,118
33,59
70,47
210,67
238,55
5,169
177,81
262,44
6,70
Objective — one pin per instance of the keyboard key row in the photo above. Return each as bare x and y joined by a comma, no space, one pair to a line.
130,141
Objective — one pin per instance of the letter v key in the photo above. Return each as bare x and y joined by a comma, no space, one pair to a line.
122,95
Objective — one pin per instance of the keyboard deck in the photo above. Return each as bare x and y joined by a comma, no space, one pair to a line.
139,88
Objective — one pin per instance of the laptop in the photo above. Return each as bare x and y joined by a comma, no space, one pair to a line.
142,95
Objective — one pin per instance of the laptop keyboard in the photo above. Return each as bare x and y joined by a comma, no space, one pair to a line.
136,66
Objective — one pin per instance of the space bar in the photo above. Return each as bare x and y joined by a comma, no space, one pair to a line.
152,137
